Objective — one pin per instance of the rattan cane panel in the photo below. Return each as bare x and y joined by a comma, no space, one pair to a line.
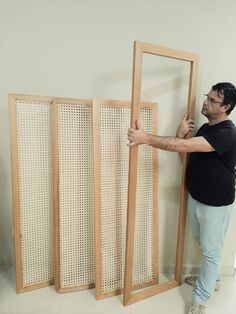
35,191
76,196
143,271
114,156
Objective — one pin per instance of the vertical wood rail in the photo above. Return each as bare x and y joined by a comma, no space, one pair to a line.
133,157
183,191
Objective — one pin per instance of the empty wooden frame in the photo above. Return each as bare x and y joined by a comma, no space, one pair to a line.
111,120
139,50
32,190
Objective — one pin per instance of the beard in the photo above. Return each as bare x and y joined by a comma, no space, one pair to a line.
204,112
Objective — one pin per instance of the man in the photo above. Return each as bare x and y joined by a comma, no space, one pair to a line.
210,180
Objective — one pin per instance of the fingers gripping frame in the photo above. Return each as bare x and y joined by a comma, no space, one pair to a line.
139,50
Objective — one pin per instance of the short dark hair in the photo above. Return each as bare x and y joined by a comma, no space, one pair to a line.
229,92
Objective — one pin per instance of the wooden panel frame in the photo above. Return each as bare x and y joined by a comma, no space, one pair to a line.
139,49
97,200
12,100
56,205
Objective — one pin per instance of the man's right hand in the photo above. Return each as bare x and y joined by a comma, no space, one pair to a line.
186,125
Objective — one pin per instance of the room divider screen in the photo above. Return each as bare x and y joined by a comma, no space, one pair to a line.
90,160
74,206
111,120
32,190
70,179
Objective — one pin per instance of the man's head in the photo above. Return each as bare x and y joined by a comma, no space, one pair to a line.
219,102
228,92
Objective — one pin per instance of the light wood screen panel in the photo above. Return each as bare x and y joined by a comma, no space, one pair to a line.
111,121
32,190
139,50
73,194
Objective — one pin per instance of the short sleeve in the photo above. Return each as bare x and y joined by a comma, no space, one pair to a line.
222,139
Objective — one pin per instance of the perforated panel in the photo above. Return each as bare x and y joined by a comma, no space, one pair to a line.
113,123
33,197
76,208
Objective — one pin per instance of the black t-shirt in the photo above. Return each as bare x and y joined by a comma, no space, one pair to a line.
210,177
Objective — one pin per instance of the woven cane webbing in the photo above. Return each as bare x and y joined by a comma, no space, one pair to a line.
76,208
114,121
144,240
32,127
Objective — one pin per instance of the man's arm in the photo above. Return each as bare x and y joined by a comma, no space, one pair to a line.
173,144
186,125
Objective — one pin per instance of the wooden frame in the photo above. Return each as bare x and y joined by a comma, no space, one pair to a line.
97,200
56,193
13,99
139,49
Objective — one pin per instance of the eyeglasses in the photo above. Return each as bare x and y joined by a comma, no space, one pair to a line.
212,100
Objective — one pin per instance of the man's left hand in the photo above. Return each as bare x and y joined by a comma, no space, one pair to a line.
136,136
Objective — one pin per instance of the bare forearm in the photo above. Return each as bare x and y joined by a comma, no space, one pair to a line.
181,154
168,143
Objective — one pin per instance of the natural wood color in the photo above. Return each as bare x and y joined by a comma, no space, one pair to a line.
133,157
36,286
56,215
155,189
12,100
33,98
136,297
139,49
122,103
97,193
56,205
165,52
73,289
121,291
71,101
15,194
97,201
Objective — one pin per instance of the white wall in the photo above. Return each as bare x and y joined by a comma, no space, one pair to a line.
83,49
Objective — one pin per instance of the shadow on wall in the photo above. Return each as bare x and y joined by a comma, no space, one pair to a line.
165,88
6,242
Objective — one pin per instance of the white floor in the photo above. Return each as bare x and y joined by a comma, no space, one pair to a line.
47,301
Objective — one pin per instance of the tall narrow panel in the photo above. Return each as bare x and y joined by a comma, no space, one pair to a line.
110,132
192,59
75,210
145,262
32,190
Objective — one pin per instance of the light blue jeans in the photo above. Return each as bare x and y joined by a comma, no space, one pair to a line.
209,226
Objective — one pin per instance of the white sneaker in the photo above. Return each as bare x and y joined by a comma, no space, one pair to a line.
191,280
197,309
